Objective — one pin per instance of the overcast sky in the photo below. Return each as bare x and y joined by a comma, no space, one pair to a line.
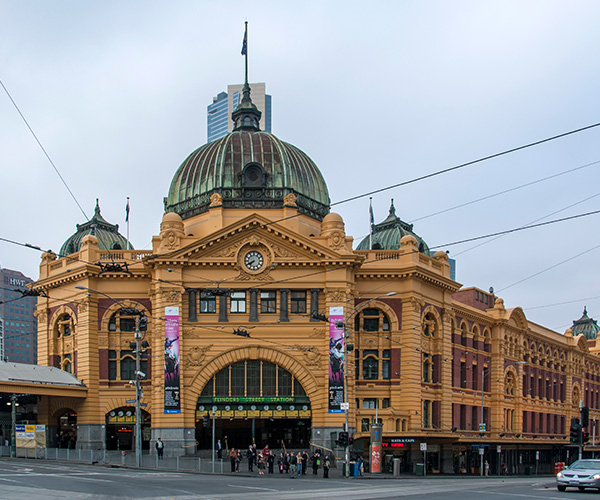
376,93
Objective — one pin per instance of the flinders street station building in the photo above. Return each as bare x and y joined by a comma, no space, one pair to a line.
257,316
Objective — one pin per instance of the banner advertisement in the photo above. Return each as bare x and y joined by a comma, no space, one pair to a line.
172,401
376,458
336,359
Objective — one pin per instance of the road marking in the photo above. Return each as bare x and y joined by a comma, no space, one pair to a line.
253,488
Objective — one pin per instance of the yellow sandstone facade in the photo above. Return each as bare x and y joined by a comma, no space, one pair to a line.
250,262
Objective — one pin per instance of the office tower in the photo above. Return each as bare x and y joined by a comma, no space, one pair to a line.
219,112
17,313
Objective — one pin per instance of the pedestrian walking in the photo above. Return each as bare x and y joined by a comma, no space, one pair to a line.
300,464
304,462
249,456
160,448
315,462
359,466
219,449
261,464
233,459
326,465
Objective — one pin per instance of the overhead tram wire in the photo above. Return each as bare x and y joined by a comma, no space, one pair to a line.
514,230
43,149
549,268
532,222
562,303
462,165
515,188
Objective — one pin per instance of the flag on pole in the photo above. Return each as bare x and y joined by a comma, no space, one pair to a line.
245,42
372,220
127,211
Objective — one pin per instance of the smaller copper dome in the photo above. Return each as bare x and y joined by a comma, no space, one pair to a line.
387,235
586,326
107,234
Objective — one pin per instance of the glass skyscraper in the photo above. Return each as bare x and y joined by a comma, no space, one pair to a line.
219,121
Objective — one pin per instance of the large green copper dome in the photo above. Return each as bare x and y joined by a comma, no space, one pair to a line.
387,234
108,235
248,168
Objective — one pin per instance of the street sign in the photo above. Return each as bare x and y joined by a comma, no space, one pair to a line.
537,455
499,449
481,450
344,406
423,446
481,427
130,401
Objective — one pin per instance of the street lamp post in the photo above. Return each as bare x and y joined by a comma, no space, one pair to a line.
139,375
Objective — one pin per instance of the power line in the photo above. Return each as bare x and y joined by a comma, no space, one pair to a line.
549,268
42,147
532,222
522,228
462,165
515,188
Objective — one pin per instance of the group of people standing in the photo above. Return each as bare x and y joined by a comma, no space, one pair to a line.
288,463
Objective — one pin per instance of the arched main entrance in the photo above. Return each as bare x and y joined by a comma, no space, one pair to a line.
253,401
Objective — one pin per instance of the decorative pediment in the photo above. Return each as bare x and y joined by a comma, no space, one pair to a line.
274,242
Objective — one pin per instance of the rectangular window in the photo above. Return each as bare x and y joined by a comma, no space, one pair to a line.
426,414
238,302
208,303
365,425
284,382
369,403
268,302
298,302
112,365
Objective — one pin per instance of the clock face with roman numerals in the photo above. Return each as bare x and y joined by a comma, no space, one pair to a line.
253,260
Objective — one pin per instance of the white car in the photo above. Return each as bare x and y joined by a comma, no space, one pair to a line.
581,474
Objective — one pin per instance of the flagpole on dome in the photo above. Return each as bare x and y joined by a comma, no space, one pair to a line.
127,220
370,223
245,52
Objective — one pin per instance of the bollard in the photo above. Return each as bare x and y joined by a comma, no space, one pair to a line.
123,458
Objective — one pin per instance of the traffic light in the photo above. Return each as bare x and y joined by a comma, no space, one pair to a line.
575,431
350,441
342,439
585,416
585,437
205,421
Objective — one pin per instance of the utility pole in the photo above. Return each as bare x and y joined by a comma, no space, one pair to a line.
13,433
482,424
138,392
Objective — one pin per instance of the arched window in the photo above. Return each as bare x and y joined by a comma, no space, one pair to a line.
510,384
427,368
123,321
64,326
370,364
464,334
371,320
430,326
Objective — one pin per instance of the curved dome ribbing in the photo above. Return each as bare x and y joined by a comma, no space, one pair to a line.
249,169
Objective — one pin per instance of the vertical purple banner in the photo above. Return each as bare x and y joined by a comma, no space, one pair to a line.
336,359
172,391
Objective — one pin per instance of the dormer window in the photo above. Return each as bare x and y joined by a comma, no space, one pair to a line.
254,176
